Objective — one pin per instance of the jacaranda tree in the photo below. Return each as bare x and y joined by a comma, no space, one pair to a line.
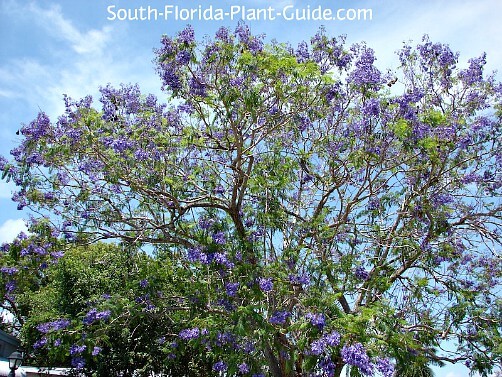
315,212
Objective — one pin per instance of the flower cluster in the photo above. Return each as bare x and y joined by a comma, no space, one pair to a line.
93,316
302,279
56,325
279,317
361,274
266,284
316,319
356,355
188,334
319,346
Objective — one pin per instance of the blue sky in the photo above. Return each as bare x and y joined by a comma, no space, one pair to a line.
51,48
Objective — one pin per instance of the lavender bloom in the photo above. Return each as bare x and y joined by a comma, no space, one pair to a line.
243,368
183,57
317,320
9,270
361,274
38,128
219,190
187,35
78,362
222,259
355,355
10,286
40,343
371,107
231,289
197,87
279,317
332,339
188,334
248,347
327,366
265,284
385,367
76,349
220,366
96,350
170,78
303,279
193,254
318,346
143,283
56,325
366,73
223,34
206,223
219,238
302,52
93,315
57,254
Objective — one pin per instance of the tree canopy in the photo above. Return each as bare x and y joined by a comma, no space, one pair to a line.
312,211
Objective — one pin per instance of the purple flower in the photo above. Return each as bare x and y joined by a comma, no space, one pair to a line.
143,283
385,367
10,286
332,339
302,52
361,274
248,347
9,270
78,362
197,86
219,238
222,259
219,190
93,315
365,73
57,254
206,223
220,366
76,349
187,35
318,346
265,284
327,366
356,355
243,368
188,334
96,350
317,320
299,279
279,317
231,289
40,343
183,57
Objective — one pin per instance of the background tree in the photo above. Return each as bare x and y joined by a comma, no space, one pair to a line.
321,213
103,303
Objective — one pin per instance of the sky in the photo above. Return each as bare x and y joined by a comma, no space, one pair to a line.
50,48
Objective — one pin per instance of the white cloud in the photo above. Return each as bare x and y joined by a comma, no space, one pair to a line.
52,19
466,27
83,60
10,229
